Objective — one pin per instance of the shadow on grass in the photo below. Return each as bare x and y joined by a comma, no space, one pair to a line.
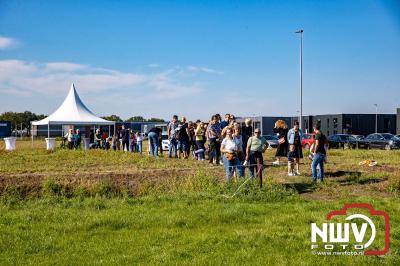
354,177
343,178
304,187
343,173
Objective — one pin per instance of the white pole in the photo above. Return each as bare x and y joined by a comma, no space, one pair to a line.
32,134
301,78
376,118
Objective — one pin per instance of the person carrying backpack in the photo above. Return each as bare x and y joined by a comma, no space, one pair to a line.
182,135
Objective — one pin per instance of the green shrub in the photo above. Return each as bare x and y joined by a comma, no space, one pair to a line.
106,189
52,188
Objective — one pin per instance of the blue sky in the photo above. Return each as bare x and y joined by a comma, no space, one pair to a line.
195,58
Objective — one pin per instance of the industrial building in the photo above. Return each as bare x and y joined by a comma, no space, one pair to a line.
5,129
357,124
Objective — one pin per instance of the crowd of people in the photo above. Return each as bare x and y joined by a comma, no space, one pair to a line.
221,141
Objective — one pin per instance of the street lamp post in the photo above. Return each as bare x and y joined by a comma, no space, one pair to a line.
301,77
376,118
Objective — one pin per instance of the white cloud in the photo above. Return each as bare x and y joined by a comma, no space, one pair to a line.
27,85
204,69
24,77
7,43
63,66
153,65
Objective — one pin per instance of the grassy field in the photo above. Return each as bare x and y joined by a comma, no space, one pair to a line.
99,207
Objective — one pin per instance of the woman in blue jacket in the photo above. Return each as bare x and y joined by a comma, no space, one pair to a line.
294,136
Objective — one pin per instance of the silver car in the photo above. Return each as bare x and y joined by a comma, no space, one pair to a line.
272,141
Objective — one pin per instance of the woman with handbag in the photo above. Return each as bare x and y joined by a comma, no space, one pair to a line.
281,129
229,149
237,136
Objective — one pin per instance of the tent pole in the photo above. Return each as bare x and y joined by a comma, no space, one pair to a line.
48,129
109,130
32,134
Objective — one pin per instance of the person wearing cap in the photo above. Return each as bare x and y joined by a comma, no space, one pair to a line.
256,145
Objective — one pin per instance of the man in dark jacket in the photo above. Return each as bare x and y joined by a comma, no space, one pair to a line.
125,138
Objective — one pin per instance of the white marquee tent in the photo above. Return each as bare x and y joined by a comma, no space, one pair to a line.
72,112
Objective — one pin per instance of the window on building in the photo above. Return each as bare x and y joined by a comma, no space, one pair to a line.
386,125
347,122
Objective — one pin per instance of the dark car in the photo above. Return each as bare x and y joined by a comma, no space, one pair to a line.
346,141
342,141
358,137
385,141
272,141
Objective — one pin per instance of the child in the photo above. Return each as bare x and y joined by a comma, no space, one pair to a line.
291,160
139,140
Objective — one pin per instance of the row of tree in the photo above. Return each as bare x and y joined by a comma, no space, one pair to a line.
23,120
20,120
132,119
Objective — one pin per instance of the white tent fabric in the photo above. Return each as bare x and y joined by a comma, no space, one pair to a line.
72,112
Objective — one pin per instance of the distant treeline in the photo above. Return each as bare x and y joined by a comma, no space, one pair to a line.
23,120
20,120
132,119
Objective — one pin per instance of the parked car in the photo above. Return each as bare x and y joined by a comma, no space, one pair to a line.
359,137
272,141
385,141
346,141
308,140
164,142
